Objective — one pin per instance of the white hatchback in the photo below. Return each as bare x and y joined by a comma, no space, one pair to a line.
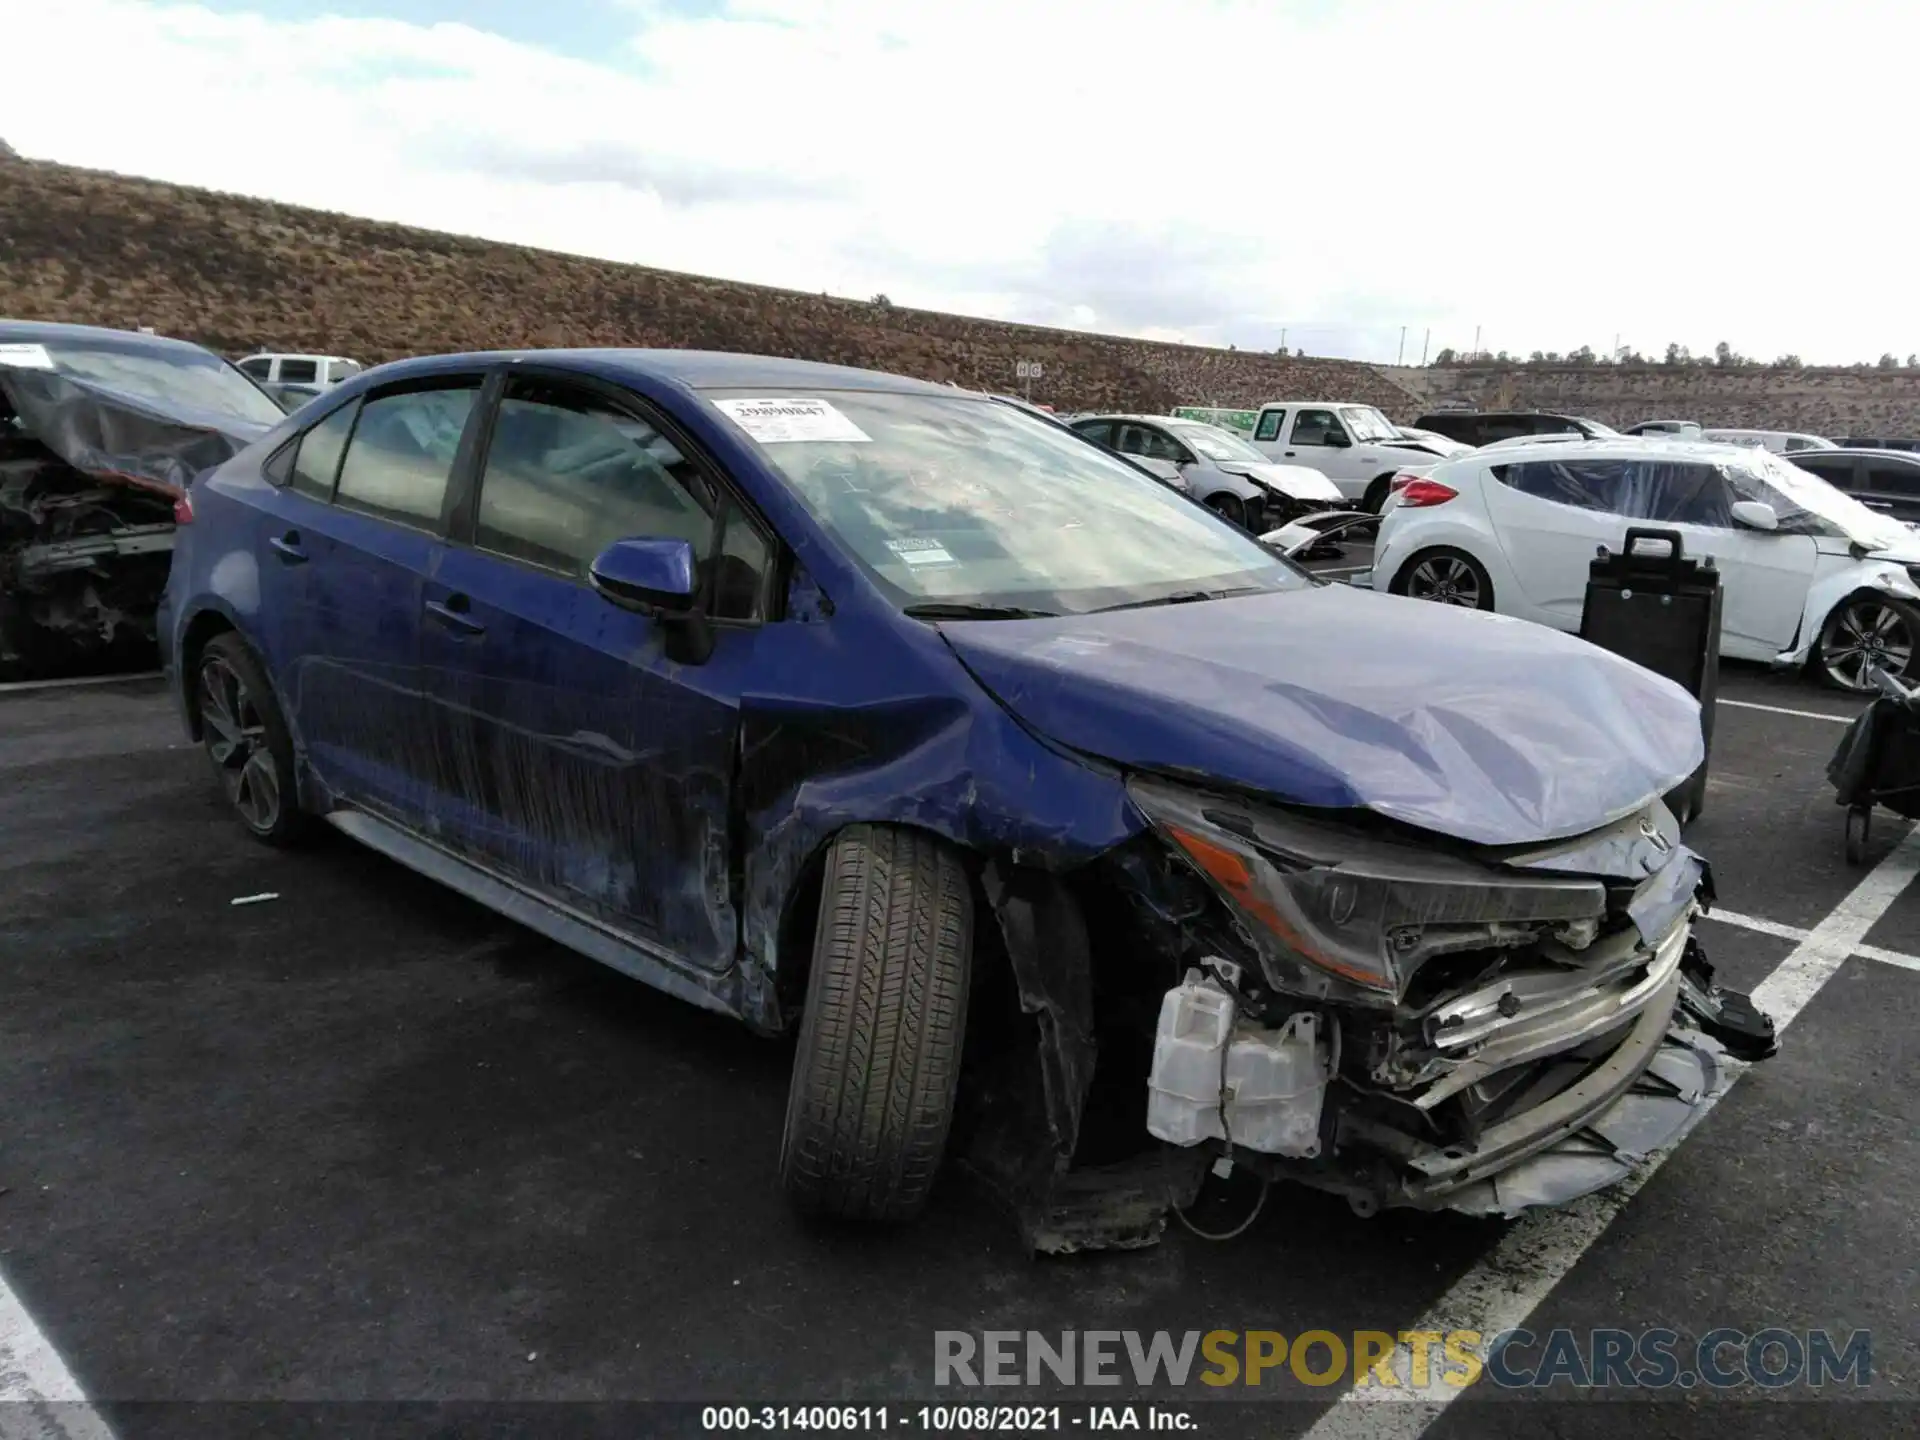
1807,574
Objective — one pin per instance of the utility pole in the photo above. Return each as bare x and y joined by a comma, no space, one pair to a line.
1401,358
1423,346
1283,339
1476,342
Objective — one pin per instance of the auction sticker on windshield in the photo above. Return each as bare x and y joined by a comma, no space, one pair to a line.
777,421
23,356
919,552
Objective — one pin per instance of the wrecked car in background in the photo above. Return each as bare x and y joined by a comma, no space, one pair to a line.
100,431
1080,839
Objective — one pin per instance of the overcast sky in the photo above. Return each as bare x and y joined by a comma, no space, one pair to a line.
1557,172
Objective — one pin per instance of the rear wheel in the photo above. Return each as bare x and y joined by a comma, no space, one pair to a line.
246,738
1376,495
878,1064
1866,632
1450,577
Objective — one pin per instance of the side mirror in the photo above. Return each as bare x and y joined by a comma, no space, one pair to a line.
1337,439
646,574
655,576
1165,471
1755,515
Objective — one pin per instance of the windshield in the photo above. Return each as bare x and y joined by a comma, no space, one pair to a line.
1367,425
962,501
193,379
1217,444
1808,492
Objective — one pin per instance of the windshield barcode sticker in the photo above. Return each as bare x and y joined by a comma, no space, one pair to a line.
781,421
920,552
22,356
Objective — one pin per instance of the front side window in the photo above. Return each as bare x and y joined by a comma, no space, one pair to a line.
567,474
1150,443
298,372
1098,431
953,499
402,451
1317,427
260,367
1269,426
1217,444
317,459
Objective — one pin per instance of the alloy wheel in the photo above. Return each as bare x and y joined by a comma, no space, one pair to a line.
1865,634
236,739
1447,579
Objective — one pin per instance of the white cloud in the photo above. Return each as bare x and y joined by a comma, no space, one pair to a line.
1555,172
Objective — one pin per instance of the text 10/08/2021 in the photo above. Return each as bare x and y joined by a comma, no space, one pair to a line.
958,1419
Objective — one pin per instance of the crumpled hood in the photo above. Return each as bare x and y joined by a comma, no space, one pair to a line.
1482,727
1296,482
117,436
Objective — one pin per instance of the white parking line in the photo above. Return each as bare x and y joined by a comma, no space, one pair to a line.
39,1398
1793,932
1540,1249
20,687
1782,710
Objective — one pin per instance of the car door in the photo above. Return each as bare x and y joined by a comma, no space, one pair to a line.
354,687
1764,574
1268,430
581,756
1549,517
1319,440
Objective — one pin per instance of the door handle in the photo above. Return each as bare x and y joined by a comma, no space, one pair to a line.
453,612
288,547
1289,454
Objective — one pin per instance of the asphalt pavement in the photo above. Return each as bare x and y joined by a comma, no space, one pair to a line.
364,1141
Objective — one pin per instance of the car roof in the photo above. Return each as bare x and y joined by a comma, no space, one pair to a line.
1872,452
1620,447
48,332
694,369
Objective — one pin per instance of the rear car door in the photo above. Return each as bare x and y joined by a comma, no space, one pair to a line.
1550,516
579,757
353,691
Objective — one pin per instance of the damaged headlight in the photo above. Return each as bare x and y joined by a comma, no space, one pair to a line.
1336,912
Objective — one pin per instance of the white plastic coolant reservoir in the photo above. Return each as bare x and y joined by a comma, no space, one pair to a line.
1275,1080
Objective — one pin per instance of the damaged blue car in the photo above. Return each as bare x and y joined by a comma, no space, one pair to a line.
1078,839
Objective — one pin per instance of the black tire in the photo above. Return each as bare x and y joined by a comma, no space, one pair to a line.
246,739
1690,799
1443,574
1228,506
1376,495
1859,832
1852,638
878,1063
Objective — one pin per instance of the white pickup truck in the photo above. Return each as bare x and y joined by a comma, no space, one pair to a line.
1355,446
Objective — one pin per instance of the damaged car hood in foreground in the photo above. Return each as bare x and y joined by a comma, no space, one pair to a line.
1327,699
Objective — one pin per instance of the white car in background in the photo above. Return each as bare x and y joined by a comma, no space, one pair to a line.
1780,442
1808,575
1355,446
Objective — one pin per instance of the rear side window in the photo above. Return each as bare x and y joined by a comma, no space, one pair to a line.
1270,423
298,372
1837,473
567,475
402,452
1582,484
260,367
317,460
1098,431
1888,478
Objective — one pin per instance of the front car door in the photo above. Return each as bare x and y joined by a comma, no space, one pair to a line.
581,758
1319,439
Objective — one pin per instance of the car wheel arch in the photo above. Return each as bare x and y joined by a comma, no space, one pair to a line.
194,639
1817,633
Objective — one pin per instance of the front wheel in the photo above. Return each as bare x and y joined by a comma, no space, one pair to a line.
1228,507
1376,497
1450,577
878,1064
1864,633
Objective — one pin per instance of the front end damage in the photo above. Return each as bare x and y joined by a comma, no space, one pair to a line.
1402,1020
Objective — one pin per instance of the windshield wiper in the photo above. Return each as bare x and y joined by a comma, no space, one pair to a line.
960,610
1185,597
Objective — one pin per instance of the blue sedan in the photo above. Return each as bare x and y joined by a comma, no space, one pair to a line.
887,714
